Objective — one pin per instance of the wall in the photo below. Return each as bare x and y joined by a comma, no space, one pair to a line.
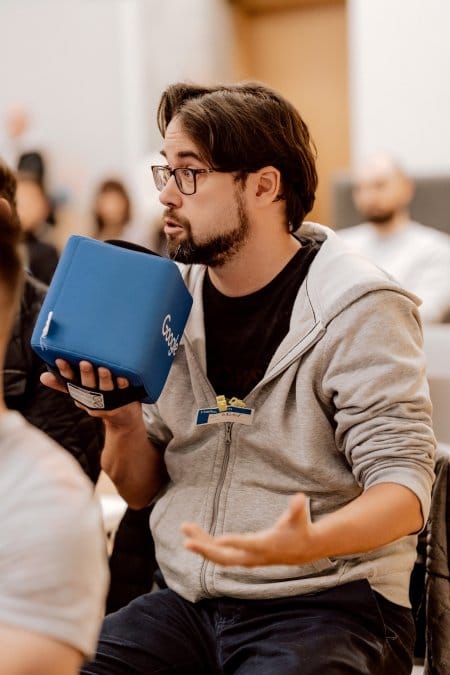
302,52
60,60
91,72
183,41
399,77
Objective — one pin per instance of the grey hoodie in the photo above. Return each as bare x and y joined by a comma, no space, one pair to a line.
343,405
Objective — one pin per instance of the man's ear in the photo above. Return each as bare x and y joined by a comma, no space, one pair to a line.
409,189
267,185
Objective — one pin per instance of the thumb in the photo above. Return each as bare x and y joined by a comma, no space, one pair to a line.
297,508
294,512
51,381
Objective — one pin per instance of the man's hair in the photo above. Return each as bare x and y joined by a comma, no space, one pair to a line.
244,127
11,263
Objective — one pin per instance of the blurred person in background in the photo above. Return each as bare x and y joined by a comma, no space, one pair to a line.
111,210
22,149
34,164
53,571
416,255
71,427
33,208
113,214
17,137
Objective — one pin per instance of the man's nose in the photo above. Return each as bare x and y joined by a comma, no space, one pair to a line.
170,195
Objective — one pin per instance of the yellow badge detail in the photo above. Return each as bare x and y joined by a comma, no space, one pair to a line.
221,403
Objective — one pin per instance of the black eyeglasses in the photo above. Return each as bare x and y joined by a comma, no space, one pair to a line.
186,179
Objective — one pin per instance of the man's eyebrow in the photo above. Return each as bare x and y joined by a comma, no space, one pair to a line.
185,154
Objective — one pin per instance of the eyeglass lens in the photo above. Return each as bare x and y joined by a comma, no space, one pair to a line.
184,177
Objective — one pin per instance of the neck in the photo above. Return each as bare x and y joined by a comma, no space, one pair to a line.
255,265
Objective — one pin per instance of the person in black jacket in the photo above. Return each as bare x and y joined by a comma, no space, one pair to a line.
33,207
48,410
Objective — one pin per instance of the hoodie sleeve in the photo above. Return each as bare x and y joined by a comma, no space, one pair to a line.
375,376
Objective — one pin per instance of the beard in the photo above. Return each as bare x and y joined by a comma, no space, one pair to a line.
379,217
215,251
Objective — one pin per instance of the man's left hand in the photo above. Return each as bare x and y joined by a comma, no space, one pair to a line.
288,541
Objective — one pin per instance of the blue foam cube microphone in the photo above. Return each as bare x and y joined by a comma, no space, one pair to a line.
116,305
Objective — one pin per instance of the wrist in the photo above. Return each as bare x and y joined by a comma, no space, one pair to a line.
125,420
320,539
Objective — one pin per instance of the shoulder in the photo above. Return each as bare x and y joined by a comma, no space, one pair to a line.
339,276
39,472
52,522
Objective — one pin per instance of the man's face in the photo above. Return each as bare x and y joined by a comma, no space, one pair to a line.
380,193
210,226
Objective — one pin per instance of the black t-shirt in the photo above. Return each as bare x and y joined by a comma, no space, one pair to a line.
243,333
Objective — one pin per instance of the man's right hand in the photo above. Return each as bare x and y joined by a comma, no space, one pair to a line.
130,459
96,378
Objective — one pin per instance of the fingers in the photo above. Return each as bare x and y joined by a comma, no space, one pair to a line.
252,543
106,381
295,512
194,530
199,541
284,543
89,378
65,369
297,508
223,555
52,381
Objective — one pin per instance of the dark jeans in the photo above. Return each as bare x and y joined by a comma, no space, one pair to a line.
346,630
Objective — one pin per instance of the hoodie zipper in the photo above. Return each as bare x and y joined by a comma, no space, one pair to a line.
220,482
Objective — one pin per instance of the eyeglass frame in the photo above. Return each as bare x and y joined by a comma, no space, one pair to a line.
195,172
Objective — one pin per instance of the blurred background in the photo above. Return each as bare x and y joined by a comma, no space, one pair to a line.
81,79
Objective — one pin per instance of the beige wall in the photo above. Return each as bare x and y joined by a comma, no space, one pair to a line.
302,52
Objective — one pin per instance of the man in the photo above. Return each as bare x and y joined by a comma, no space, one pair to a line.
53,572
416,255
296,415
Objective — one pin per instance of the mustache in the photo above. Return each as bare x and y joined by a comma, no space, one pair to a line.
172,214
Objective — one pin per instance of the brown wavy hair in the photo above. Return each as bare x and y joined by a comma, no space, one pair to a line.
244,127
111,185
11,263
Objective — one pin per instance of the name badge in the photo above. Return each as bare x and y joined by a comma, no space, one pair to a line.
230,414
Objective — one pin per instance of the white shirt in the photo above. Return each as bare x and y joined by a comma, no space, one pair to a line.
53,564
417,256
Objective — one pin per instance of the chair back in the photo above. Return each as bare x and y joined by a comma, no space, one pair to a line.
437,580
437,352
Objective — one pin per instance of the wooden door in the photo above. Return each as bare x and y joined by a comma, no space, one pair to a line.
299,47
